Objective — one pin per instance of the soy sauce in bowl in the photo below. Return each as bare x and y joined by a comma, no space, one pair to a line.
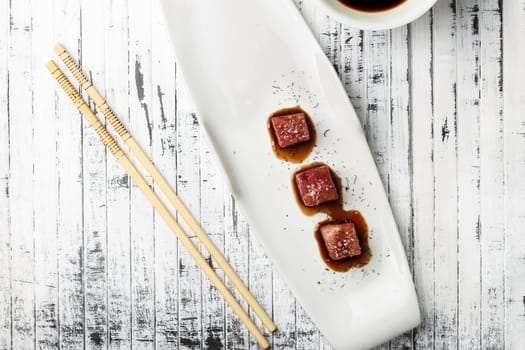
372,5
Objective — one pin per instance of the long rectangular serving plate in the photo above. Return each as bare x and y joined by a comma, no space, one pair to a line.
243,60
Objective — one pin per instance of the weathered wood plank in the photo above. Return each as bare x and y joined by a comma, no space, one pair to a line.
377,98
422,152
188,187
492,177
352,68
21,176
445,175
284,315
212,218
468,163
70,210
236,250
308,336
399,159
377,92
514,202
142,213
45,181
164,156
118,184
212,221
5,231
260,279
94,184
329,38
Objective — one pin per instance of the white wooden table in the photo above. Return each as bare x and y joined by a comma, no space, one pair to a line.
85,262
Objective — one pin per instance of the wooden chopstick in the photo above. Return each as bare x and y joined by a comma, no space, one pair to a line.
112,145
157,177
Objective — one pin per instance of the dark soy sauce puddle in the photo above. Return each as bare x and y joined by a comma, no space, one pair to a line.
361,228
372,5
298,152
337,215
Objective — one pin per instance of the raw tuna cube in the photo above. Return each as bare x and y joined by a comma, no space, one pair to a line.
341,240
290,129
316,186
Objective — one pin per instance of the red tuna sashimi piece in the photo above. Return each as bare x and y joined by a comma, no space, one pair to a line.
341,240
316,186
290,129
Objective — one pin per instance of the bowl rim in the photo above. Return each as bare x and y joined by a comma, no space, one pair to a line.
369,20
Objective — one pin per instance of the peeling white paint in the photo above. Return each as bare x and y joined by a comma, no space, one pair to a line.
86,262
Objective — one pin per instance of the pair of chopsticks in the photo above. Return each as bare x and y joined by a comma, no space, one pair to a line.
163,185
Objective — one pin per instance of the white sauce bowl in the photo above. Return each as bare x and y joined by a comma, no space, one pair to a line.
400,15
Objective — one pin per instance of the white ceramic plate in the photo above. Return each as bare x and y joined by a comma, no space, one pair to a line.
242,60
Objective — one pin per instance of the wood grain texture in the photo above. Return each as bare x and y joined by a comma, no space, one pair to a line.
236,249
5,217
399,165
514,168
118,184
45,182
445,175
188,183
21,178
86,263
422,156
492,178
70,203
165,157
260,278
94,186
142,237
468,163
376,81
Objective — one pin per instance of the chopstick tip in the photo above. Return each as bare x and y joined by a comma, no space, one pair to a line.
59,48
51,66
